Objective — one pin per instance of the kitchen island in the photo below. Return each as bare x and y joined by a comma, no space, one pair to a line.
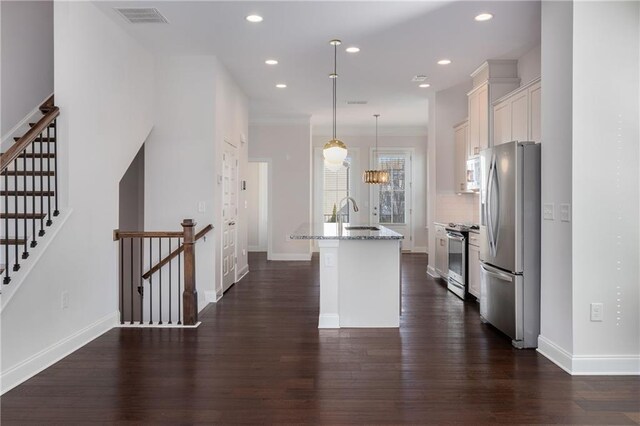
359,275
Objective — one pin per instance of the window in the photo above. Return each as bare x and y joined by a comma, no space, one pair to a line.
336,187
392,206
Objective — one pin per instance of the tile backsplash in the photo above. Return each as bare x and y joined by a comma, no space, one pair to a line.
462,208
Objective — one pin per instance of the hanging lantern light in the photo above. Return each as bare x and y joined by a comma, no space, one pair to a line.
376,176
335,151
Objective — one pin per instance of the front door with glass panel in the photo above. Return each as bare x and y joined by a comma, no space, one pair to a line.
391,203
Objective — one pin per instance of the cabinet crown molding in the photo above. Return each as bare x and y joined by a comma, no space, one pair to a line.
495,68
518,90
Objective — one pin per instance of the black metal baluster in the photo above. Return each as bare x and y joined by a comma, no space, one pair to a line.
131,283
150,281
41,233
179,282
170,281
25,254
121,244
7,278
33,195
49,221
141,288
16,265
160,281
56,212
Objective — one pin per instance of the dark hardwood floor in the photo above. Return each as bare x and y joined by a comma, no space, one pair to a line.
258,357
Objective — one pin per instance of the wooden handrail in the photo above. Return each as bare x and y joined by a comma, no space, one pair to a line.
28,138
118,235
175,253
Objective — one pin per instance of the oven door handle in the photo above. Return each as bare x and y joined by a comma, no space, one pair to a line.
455,237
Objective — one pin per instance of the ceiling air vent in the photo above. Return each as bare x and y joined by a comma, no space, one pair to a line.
147,15
419,78
357,102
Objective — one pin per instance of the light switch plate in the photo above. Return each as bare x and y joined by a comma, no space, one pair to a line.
597,312
329,260
202,207
565,212
548,211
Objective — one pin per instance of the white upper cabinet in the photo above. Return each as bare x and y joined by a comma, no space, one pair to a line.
491,80
535,94
461,131
516,116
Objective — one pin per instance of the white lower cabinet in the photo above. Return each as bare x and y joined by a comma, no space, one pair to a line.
442,252
474,269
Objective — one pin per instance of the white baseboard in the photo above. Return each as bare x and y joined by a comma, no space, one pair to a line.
606,365
242,273
290,256
431,271
18,277
7,138
31,366
159,325
417,249
256,249
589,365
554,353
329,321
209,297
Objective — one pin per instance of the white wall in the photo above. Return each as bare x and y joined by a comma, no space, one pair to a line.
288,146
101,128
556,278
26,61
257,196
605,176
197,108
363,142
180,157
529,65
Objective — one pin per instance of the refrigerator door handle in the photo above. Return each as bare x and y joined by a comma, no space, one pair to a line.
497,274
496,226
489,207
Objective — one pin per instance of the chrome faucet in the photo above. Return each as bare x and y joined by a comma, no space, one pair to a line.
355,209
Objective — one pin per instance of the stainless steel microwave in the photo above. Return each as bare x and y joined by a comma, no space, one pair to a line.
473,174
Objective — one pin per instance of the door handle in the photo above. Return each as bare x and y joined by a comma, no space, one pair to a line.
231,223
500,275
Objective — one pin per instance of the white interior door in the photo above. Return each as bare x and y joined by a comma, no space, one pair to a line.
391,203
229,215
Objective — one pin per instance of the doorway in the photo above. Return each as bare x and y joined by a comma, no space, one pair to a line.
131,218
391,203
229,215
258,209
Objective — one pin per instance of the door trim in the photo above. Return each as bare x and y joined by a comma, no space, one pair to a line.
269,162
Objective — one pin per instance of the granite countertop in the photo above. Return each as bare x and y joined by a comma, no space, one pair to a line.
330,232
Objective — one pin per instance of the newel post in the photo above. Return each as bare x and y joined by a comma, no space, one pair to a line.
190,294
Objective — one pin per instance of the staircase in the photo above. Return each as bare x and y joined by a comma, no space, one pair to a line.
29,190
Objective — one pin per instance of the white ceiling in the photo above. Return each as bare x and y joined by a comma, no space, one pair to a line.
398,39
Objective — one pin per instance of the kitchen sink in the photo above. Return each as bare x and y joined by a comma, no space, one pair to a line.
361,228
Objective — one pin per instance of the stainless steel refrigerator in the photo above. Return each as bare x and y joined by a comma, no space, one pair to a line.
510,240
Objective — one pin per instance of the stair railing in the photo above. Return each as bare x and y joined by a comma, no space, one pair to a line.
144,298
29,169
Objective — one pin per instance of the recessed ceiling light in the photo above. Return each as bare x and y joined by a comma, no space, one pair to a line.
444,61
484,17
424,85
254,18
352,49
271,62
281,85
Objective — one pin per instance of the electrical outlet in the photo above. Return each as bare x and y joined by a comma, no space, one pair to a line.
329,260
65,300
597,312
202,207
548,211
244,252
565,212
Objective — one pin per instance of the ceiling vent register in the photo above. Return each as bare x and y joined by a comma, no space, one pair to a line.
149,15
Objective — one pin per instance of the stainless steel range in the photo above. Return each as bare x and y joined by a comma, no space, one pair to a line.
458,235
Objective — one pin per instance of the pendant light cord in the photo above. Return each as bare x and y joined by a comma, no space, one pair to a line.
335,89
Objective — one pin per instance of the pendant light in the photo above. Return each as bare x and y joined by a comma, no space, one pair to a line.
376,176
334,151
